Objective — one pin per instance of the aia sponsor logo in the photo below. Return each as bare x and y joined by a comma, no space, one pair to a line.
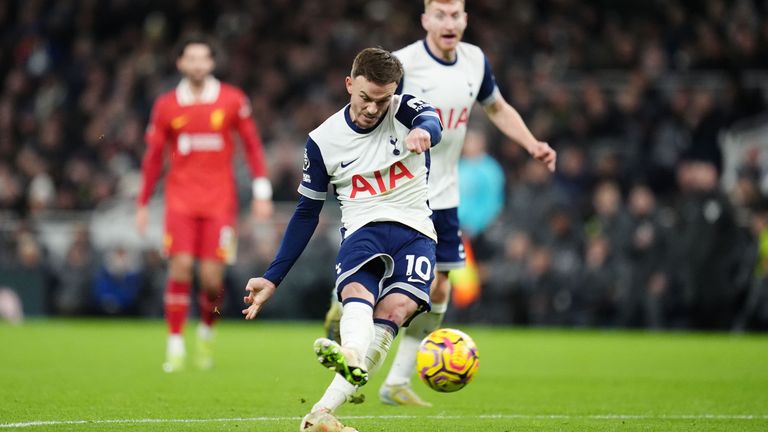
383,181
454,119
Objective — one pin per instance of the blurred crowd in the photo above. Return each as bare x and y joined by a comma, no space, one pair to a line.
634,229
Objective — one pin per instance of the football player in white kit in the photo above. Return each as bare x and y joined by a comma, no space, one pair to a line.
375,153
452,75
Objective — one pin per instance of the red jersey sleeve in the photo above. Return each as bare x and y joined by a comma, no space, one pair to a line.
246,127
156,137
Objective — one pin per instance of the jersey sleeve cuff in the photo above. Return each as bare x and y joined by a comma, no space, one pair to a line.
312,194
491,97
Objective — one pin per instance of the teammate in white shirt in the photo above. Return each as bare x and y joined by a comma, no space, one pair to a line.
375,153
452,75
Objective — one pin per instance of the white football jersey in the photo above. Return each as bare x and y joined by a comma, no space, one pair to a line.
374,177
452,88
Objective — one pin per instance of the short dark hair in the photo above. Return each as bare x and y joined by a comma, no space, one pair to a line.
195,39
378,66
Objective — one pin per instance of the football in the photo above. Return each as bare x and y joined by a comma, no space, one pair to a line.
447,360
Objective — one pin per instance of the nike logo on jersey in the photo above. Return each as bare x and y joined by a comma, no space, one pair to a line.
344,165
179,122
427,90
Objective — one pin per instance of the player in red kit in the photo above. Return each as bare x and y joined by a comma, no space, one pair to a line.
193,125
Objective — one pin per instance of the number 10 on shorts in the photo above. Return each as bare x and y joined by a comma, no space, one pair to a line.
421,266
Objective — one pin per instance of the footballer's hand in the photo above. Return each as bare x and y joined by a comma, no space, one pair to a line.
259,291
262,209
142,219
545,154
418,141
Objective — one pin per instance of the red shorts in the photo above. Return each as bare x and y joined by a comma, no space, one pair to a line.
202,237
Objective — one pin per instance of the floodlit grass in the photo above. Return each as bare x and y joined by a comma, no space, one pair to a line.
105,375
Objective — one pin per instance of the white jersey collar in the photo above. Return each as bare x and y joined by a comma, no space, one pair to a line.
210,93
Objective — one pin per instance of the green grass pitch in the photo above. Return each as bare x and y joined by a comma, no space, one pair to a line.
105,375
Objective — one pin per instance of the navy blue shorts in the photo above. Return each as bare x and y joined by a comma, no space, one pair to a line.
408,257
450,249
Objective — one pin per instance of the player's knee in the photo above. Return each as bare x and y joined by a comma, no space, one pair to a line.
180,268
211,283
356,290
211,277
396,308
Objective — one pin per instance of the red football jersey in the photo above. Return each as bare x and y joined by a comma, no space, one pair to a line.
197,132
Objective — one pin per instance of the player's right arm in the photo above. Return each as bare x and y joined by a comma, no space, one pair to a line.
313,188
156,137
422,120
509,121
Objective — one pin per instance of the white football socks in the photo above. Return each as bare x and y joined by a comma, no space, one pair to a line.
340,389
204,331
356,329
405,361
379,348
175,345
335,395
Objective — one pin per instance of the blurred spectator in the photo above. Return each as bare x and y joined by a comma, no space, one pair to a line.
503,298
549,300
481,185
754,314
707,256
609,218
565,243
117,283
72,295
597,296
643,302
10,306
531,199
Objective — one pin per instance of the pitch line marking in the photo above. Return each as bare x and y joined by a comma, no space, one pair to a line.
405,417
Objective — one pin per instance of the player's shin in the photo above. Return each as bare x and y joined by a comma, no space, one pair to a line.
176,305
338,392
176,308
385,332
405,359
210,305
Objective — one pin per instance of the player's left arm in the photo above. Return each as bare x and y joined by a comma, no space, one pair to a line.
313,189
423,121
509,121
261,206
297,235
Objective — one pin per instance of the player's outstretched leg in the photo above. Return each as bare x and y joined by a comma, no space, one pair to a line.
333,356
396,389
